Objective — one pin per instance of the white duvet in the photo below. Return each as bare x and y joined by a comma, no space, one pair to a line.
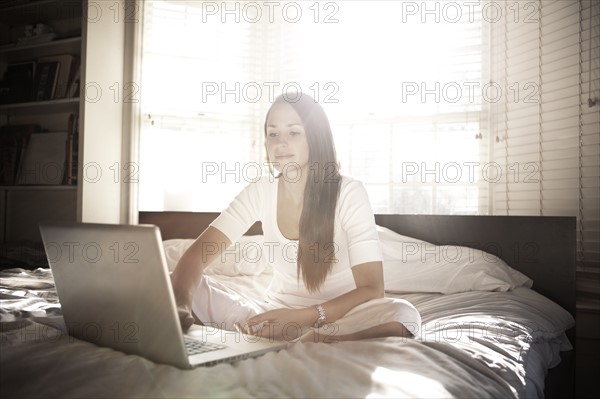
472,344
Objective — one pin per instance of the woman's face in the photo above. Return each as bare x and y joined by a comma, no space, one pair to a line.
285,141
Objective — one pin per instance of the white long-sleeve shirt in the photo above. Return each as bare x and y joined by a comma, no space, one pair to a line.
355,240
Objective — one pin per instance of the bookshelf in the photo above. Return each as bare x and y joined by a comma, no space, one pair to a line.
47,107
38,36
69,45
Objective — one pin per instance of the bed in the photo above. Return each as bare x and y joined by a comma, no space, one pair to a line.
486,331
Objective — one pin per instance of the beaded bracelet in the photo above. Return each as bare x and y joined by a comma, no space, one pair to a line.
321,320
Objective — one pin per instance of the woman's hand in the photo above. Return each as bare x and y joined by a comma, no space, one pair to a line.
186,318
279,324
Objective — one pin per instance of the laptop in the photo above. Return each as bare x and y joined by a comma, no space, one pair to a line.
114,288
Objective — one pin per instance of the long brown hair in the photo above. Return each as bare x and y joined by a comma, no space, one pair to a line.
316,249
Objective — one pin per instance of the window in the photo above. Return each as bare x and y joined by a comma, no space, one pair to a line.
402,82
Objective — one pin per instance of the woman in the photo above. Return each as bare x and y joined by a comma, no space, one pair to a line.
329,286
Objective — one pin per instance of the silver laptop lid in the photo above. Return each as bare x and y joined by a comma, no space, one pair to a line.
114,288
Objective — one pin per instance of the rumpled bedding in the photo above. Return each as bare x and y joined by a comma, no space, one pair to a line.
471,344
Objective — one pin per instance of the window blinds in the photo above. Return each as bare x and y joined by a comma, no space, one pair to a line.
547,137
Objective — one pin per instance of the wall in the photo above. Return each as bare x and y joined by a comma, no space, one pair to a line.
102,114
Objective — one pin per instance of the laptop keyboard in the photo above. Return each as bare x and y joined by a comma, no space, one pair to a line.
195,347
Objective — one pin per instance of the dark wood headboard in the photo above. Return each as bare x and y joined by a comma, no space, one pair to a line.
541,247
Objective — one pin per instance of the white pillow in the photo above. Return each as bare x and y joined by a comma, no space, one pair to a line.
412,265
241,258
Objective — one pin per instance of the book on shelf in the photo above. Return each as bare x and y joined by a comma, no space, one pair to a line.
71,150
18,82
74,81
46,76
44,160
67,63
13,144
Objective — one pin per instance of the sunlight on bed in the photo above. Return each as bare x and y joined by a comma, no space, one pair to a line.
384,379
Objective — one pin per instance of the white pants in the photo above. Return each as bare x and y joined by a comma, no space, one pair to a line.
222,307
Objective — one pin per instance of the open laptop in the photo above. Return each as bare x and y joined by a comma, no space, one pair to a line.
114,289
